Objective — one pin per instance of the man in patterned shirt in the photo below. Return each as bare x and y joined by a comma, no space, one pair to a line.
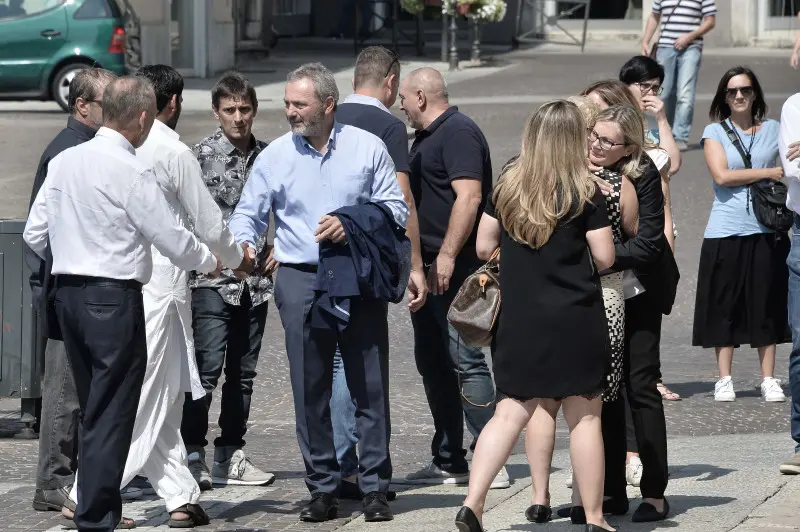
228,313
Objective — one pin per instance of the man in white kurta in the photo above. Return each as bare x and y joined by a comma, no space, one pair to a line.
157,450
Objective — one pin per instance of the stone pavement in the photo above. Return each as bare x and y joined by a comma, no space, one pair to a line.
724,457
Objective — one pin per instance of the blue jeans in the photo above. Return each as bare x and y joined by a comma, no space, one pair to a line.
456,378
680,84
343,418
793,262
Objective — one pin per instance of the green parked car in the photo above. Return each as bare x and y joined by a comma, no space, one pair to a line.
43,43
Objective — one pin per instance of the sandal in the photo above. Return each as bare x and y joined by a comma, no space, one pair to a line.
666,393
197,517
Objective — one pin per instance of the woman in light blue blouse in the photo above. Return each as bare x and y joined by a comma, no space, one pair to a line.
742,282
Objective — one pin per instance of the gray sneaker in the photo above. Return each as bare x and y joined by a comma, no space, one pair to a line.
143,484
199,469
238,470
791,466
431,474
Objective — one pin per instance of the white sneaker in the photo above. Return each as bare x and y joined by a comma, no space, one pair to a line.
199,470
771,390
723,390
239,471
501,481
569,479
431,474
633,471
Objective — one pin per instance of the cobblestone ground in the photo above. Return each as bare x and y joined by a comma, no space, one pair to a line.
499,104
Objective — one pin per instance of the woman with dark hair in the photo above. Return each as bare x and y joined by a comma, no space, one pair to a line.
742,281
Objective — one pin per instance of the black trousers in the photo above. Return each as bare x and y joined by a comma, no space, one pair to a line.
102,322
364,345
642,370
230,336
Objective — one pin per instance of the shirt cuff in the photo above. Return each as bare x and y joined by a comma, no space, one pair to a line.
209,263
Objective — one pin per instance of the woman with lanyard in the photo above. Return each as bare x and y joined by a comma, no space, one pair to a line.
742,281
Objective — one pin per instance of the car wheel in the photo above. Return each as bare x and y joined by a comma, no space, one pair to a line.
59,89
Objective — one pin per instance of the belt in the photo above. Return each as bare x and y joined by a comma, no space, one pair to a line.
306,268
85,280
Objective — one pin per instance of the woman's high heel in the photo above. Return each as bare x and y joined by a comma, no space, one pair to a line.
467,521
538,513
596,528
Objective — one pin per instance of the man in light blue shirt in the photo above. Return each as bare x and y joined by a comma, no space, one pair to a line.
302,176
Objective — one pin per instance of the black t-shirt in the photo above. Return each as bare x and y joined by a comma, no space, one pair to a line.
452,147
390,129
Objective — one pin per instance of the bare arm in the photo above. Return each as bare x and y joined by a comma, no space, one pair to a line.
717,163
417,287
488,239
649,31
707,25
463,215
462,221
601,245
666,141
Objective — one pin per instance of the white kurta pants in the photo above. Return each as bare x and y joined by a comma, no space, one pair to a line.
157,449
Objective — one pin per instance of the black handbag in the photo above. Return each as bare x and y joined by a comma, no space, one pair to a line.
767,196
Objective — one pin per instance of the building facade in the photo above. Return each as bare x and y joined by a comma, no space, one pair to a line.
201,37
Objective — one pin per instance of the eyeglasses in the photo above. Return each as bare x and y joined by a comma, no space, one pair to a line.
732,92
654,87
98,102
605,143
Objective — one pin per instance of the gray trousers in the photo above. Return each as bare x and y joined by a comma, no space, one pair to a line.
364,346
58,433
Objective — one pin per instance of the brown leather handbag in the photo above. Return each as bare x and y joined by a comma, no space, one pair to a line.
476,306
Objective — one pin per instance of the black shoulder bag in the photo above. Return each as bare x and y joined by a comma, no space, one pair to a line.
768,196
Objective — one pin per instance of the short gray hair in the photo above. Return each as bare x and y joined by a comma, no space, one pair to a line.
321,77
126,98
86,84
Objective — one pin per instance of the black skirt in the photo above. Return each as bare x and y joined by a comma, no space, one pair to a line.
742,291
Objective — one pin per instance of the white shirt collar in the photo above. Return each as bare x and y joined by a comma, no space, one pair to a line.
161,128
117,138
366,100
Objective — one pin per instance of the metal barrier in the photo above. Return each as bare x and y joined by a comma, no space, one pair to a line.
19,369
536,33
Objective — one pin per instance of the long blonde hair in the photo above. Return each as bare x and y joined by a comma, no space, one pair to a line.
549,181
630,122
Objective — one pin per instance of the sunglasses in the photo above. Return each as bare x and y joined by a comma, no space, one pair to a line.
746,92
395,59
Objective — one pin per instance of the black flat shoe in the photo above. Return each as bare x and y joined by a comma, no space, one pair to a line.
466,521
647,513
323,507
376,508
596,528
538,513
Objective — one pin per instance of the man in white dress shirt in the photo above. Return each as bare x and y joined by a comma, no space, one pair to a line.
102,209
790,150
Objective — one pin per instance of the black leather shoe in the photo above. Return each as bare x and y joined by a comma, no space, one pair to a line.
350,490
376,508
323,507
52,500
647,513
467,521
538,513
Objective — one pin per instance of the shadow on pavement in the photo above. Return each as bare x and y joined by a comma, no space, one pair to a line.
701,472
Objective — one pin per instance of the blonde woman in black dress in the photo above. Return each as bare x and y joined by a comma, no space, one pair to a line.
550,221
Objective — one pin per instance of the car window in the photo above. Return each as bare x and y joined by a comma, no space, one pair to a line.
98,9
26,8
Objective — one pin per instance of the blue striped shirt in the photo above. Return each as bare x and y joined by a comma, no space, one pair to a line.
299,185
679,17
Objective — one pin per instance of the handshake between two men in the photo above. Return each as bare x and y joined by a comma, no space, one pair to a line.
251,263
